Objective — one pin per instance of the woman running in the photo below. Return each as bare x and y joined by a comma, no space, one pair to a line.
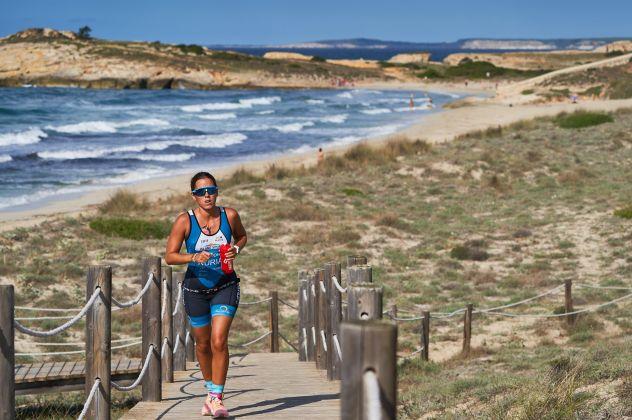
211,296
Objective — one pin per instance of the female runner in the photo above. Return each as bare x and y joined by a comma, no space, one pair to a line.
210,296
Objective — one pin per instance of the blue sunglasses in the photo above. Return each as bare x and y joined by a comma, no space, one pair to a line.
201,192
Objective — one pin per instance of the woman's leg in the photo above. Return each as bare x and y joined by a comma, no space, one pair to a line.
203,352
219,348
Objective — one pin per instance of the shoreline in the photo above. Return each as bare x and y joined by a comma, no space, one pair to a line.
434,128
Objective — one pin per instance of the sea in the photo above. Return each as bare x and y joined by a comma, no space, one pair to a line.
56,142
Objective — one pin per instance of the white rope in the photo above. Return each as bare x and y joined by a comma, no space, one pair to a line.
141,375
256,301
323,340
590,309
253,341
408,356
288,342
371,403
81,343
60,353
338,286
63,327
175,348
446,314
313,289
137,299
127,345
509,305
32,308
187,338
314,335
305,341
288,305
165,342
163,309
414,318
175,311
322,287
337,345
91,395
594,286
304,296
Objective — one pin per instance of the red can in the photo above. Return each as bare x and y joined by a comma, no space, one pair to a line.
227,265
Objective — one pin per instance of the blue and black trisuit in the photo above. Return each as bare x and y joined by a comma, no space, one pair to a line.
207,290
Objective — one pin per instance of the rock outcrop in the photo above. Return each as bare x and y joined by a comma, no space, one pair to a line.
358,64
411,58
618,46
280,55
552,60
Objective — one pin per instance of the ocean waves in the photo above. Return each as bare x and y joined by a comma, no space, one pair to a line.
20,138
106,126
221,106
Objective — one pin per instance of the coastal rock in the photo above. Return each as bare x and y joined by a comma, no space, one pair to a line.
618,46
550,60
359,63
279,55
416,58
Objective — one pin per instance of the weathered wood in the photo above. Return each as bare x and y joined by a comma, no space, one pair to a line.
302,315
393,311
152,330
7,348
467,330
273,321
190,344
323,315
356,260
335,317
179,323
364,301
167,326
425,336
312,315
359,274
368,346
568,301
98,341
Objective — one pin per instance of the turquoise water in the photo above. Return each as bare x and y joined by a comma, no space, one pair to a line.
61,140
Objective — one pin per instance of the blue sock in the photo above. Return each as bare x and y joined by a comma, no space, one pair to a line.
214,389
208,385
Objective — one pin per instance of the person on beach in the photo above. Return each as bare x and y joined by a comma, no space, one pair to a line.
321,156
211,288
411,103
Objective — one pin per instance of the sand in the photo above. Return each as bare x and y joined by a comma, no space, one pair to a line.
434,128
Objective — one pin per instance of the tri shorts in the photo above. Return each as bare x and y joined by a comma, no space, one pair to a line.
201,304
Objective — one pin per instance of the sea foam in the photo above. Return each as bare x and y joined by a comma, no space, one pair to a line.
224,116
106,126
335,119
30,136
376,111
5,158
243,103
293,127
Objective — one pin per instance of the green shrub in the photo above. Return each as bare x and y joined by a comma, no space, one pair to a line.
593,91
479,70
580,119
131,228
528,92
318,59
191,49
625,212
430,74
471,250
352,192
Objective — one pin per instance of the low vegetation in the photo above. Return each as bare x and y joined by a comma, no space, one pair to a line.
493,217
581,119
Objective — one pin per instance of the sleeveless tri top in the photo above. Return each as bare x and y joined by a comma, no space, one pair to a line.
210,273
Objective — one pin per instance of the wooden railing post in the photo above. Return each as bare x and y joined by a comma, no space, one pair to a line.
335,317
368,346
167,326
321,327
179,323
312,317
356,260
393,311
7,350
425,336
568,301
302,315
467,330
359,274
99,341
364,301
274,321
152,330
190,345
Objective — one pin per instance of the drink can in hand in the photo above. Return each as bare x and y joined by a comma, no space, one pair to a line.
227,265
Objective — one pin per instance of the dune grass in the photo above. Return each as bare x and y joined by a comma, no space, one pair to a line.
581,119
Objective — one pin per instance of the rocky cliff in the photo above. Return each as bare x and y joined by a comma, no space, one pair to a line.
552,60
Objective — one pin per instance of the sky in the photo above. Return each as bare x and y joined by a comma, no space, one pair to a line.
287,21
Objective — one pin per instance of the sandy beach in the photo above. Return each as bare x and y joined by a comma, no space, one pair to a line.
438,127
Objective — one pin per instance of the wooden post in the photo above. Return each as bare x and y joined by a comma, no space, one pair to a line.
323,315
302,315
568,301
179,324
274,321
368,346
393,311
335,317
190,345
359,274
467,330
99,341
7,348
356,260
312,316
167,325
152,330
365,301
425,336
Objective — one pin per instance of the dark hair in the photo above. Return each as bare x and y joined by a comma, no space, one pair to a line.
202,175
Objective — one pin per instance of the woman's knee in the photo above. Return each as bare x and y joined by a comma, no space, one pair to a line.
219,343
203,346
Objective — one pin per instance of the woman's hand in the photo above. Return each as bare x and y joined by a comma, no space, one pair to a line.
201,257
231,253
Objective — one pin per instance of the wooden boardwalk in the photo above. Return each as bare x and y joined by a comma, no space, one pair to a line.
259,385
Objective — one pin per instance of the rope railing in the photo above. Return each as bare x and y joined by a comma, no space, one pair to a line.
337,285
163,304
288,304
372,404
323,340
288,342
138,297
256,302
408,356
178,300
595,286
414,318
322,286
337,345
509,305
65,353
251,342
141,375
177,339
86,405
62,327
305,339
81,343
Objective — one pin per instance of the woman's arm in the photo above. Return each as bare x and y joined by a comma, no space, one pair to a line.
174,244
239,232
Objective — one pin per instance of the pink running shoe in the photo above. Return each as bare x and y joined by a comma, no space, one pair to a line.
214,406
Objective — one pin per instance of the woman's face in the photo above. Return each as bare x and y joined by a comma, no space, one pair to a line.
207,202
